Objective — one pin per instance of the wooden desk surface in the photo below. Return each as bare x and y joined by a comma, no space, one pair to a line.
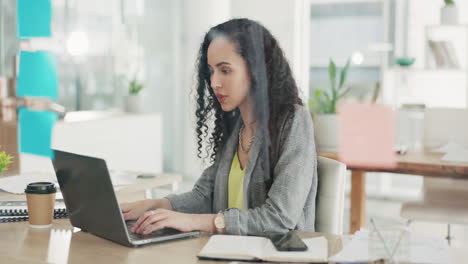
419,163
64,244
416,163
60,244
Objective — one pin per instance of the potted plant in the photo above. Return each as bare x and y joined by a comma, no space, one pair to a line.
449,13
5,161
133,100
323,106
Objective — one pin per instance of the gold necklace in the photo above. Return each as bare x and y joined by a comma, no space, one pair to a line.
246,150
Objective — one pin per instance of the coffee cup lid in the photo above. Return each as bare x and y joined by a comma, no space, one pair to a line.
40,188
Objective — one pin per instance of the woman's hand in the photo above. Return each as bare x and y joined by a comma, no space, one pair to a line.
163,218
134,210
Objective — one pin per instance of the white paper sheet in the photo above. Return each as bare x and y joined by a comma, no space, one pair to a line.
422,249
450,146
456,156
17,183
454,152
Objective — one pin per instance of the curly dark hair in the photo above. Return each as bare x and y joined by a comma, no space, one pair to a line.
273,87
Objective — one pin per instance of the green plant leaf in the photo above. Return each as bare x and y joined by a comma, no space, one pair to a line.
343,93
334,90
5,161
315,101
449,2
320,101
332,73
135,87
343,75
326,101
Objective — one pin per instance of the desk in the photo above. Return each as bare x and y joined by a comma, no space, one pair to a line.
20,244
425,164
62,243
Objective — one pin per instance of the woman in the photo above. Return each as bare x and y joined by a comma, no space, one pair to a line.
263,173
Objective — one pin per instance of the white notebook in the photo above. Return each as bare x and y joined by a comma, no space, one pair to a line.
261,248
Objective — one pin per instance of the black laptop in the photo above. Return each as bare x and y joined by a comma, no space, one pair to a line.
92,205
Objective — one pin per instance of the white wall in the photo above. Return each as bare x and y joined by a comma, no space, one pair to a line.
171,34
288,22
159,34
197,18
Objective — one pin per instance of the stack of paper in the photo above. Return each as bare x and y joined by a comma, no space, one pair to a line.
453,152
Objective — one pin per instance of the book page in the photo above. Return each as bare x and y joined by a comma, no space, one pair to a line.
233,247
317,252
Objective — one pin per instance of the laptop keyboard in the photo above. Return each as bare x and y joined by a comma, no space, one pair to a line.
157,233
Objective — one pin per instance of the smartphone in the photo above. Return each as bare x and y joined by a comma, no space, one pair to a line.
288,242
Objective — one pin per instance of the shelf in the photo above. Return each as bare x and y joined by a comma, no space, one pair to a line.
433,87
332,2
460,26
364,65
428,70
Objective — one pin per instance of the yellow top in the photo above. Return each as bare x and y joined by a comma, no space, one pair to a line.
236,184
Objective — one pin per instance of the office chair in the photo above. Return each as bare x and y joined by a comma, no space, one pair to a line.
443,199
330,196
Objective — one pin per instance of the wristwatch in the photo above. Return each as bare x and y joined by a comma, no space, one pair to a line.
219,223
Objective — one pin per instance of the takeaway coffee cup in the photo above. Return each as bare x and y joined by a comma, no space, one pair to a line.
40,197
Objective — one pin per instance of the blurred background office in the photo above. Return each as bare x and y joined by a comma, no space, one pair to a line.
138,56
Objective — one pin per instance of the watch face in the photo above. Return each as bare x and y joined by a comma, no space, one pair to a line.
219,222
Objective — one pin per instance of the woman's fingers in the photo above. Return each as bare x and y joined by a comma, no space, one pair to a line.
125,207
151,220
140,220
129,216
154,220
153,227
148,218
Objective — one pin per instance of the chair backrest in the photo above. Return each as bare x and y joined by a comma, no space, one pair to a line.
445,190
330,196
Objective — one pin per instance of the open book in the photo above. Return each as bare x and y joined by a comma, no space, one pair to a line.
261,248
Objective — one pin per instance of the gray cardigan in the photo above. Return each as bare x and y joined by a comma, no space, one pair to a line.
286,203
